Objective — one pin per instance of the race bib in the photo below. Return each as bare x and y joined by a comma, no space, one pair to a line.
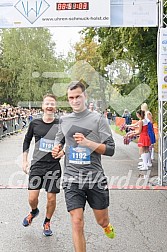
46,145
79,155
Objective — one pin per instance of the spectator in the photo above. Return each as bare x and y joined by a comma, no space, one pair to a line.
114,116
144,140
109,116
151,133
92,107
128,119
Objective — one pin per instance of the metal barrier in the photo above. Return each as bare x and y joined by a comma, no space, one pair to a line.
1,128
10,126
165,155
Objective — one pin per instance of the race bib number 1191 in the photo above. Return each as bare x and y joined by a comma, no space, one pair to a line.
46,145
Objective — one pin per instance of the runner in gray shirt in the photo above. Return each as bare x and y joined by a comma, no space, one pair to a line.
87,137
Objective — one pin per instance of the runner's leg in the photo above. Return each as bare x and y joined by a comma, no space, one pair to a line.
77,219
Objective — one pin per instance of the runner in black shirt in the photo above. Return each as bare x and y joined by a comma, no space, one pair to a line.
45,171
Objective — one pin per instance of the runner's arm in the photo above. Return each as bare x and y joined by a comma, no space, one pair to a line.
83,141
106,138
26,144
57,151
105,144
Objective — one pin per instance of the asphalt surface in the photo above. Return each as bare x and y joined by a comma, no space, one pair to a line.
139,216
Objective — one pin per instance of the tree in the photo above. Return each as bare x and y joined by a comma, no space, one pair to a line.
138,46
28,54
92,73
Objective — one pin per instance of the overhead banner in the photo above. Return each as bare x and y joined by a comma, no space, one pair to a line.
48,13
134,13
162,65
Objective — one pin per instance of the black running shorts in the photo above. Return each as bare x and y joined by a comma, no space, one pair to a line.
50,181
76,195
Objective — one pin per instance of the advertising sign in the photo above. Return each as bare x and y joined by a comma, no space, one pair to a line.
134,13
48,13
162,65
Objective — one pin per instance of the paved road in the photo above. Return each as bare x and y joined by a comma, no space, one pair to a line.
139,216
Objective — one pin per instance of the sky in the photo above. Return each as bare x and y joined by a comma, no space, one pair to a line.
64,37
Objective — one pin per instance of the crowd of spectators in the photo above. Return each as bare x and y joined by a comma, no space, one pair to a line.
15,118
8,111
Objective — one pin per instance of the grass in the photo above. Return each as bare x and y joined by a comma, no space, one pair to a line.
117,130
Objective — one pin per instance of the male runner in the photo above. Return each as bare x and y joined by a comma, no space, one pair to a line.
45,171
87,137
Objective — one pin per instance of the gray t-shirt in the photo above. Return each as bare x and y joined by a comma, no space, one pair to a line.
82,164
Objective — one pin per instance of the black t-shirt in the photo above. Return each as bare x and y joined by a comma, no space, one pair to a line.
44,134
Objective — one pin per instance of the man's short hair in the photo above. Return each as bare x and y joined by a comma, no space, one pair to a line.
49,95
76,84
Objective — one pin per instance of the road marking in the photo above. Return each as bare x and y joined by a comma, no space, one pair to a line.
132,187
114,187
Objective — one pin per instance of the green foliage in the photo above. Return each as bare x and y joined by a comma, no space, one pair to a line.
137,46
27,60
27,55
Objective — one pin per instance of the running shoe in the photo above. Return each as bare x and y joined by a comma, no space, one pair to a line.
46,229
109,231
143,168
149,164
28,219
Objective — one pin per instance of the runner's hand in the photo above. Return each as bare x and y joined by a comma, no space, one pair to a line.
80,139
26,168
55,151
60,154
